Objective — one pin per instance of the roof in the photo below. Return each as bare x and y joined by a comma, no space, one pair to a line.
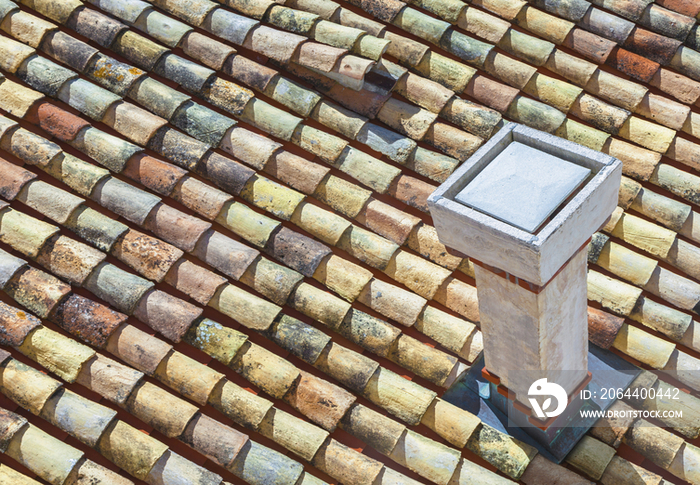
217,262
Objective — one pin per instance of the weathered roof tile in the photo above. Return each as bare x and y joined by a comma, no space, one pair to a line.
663,110
192,11
162,28
188,377
119,288
223,253
402,398
249,310
533,50
392,302
16,324
96,228
470,50
160,409
24,233
149,256
319,305
680,87
266,370
159,176
259,464
272,280
296,251
503,8
228,25
14,178
13,54
253,149
430,459
482,24
138,49
378,138
194,281
126,200
302,340
600,114
369,332
172,466
130,449
406,119
431,164
272,43
95,26
320,143
243,406
666,22
16,99
513,72
206,50
44,75
271,120
136,124
69,259
86,97
553,92
26,28
551,28
250,225
406,50
216,441
41,346
493,94
68,50
112,74
452,141
28,448
109,151
220,342
127,10
590,46
183,150
649,135
78,416
582,134
10,424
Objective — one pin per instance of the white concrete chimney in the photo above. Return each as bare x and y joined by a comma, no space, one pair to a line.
524,208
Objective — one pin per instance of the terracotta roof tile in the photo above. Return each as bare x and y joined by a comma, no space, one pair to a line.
119,288
346,465
162,28
17,99
87,98
223,253
472,51
482,24
192,11
633,65
206,50
548,26
216,441
128,11
95,26
194,281
259,464
68,50
590,46
667,112
625,94
26,28
652,46
680,87
667,22
13,54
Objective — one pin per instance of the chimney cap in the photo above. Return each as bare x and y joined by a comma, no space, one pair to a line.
491,233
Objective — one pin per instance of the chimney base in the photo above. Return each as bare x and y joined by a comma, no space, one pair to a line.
477,391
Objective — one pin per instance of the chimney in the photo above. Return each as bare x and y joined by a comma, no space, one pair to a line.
523,208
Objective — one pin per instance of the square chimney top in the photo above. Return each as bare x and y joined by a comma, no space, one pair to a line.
526,202
530,185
